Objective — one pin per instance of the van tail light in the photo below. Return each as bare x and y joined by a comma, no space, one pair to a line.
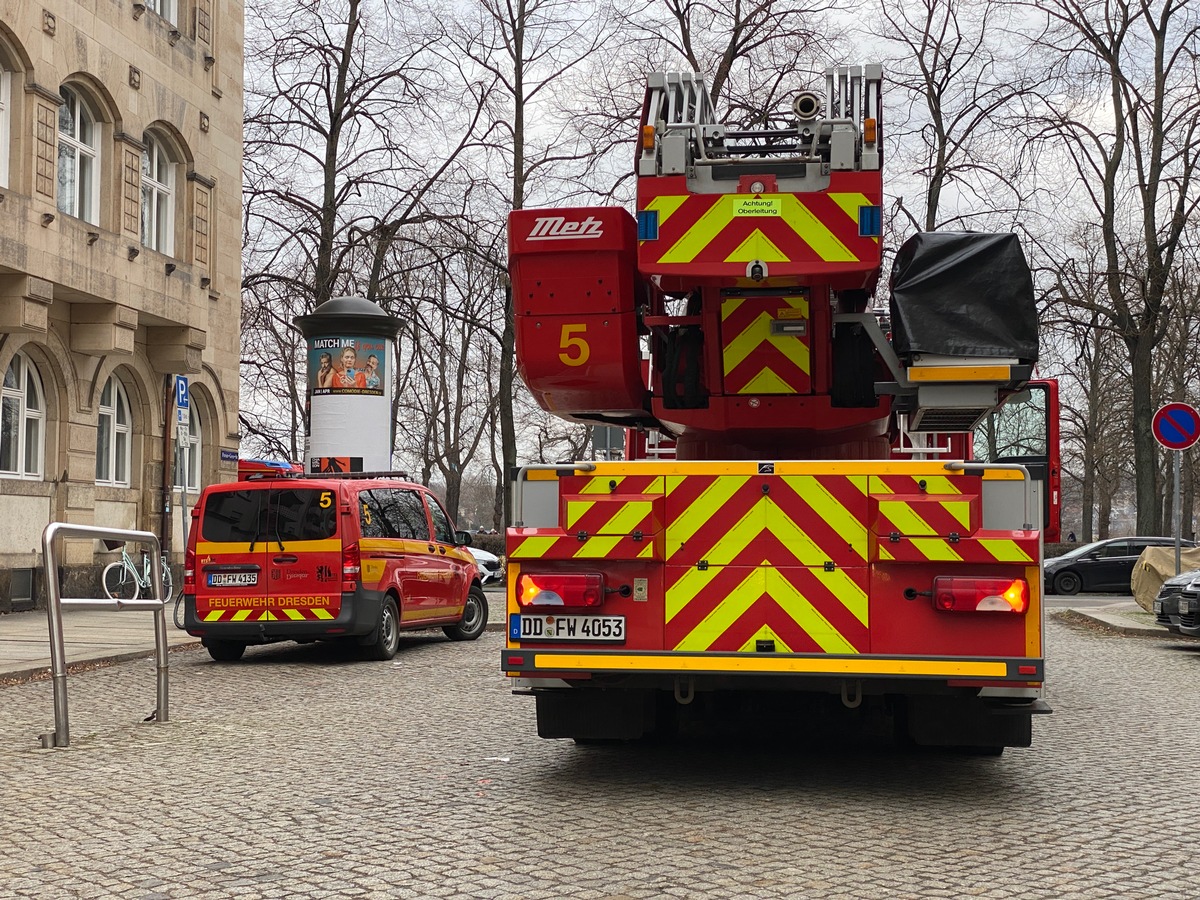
560,590
999,595
189,570
351,567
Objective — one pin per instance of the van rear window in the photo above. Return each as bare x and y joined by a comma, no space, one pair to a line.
295,514
234,517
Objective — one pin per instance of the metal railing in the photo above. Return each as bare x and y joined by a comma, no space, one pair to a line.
61,735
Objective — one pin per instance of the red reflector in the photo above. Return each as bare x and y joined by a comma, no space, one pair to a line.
1026,670
516,661
560,590
1000,595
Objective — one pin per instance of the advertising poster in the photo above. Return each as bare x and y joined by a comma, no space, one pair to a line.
353,366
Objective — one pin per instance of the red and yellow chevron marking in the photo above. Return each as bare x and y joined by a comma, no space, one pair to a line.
287,614
983,547
756,361
804,520
732,607
614,506
817,227
544,543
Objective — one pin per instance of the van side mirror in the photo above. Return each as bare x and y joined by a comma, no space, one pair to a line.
462,538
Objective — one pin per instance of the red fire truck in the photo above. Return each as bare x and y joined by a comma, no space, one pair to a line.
826,509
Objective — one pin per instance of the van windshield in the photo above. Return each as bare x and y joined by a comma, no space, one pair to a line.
295,514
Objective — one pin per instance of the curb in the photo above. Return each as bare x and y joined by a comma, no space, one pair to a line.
1120,624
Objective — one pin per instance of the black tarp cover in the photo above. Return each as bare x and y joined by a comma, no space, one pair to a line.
963,294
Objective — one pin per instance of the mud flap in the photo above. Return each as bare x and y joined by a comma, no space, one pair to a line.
964,722
595,714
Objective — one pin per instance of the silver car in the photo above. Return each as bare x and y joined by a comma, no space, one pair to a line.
491,567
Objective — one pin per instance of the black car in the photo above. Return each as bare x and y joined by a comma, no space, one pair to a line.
1101,566
1170,604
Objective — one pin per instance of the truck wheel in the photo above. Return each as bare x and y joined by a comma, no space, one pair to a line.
387,634
1067,584
474,617
225,651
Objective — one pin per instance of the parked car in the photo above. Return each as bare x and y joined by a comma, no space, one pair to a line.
1170,602
318,557
1100,566
491,567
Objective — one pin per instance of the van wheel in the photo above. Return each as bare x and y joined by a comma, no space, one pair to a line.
387,635
225,651
474,617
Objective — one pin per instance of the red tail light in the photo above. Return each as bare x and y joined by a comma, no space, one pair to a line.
560,590
1000,595
351,567
189,570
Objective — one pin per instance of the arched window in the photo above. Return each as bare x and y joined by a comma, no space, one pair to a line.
187,454
5,122
78,158
22,420
113,435
158,196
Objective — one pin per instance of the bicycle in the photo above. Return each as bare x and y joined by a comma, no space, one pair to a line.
122,581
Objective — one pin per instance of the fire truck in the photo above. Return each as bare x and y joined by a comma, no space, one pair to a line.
828,511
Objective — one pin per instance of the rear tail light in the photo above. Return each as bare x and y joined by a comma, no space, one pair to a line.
559,590
1000,595
189,571
351,567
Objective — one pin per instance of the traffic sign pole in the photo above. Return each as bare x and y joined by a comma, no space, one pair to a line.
1176,506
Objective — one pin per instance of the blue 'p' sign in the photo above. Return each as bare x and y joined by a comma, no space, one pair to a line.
181,391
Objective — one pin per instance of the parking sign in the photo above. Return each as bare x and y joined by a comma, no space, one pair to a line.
181,391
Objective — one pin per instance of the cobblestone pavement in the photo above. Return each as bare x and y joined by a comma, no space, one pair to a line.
304,773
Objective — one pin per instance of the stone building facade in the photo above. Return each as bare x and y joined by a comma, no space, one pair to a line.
120,198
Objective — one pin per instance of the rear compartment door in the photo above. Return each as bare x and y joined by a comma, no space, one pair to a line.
396,548
231,557
303,554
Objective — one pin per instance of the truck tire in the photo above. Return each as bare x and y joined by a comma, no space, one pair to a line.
386,638
474,617
225,651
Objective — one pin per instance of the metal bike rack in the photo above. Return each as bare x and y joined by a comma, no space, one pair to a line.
61,735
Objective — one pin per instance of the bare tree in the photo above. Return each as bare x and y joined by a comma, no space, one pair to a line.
1125,114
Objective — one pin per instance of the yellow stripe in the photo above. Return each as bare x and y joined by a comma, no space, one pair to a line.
328,544
576,510
725,613
707,505
752,336
322,613
213,616
905,518
666,205
849,203
601,485
827,507
846,590
648,553
700,235
748,663
629,515
936,484
959,373
765,634
241,615
793,347
813,231
1004,550
767,382
686,587
597,547
757,246
533,547
1033,615
936,549
294,614
960,509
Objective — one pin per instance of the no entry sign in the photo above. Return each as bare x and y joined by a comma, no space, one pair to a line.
1176,426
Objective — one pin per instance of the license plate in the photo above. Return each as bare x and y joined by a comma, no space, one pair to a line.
582,629
232,579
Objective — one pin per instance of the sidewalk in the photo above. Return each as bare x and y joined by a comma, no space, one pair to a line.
103,636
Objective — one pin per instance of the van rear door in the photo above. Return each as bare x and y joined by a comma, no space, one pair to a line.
231,557
304,554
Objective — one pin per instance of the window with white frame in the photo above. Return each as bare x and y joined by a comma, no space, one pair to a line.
158,196
22,420
168,9
187,455
5,122
78,158
113,435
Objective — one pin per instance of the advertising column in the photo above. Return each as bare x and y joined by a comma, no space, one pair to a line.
350,386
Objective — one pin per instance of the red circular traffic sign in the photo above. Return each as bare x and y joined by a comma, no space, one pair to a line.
1176,426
